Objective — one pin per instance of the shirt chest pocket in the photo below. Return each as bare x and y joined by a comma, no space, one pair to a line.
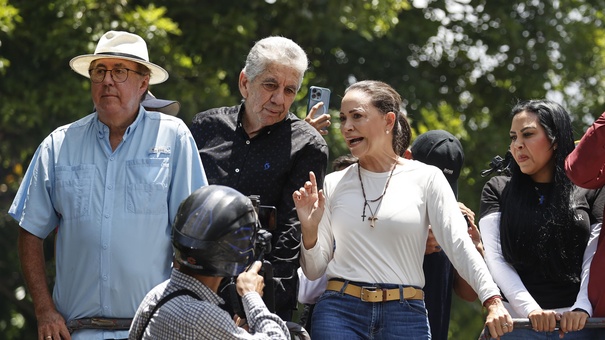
73,190
147,183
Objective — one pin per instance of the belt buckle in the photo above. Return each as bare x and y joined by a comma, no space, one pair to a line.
372,294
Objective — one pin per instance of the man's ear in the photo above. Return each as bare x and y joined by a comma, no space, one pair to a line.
407,154
144,85
243,84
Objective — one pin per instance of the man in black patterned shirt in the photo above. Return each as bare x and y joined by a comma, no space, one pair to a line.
260,148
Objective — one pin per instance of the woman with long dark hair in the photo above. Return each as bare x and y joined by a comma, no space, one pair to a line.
535,226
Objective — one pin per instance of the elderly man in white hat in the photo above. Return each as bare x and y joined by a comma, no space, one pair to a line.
109,186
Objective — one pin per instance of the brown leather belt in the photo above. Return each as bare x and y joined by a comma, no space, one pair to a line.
374,294
98,323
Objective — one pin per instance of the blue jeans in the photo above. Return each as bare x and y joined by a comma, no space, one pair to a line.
341,316
529,334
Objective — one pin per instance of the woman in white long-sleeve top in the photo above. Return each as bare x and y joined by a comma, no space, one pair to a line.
367,230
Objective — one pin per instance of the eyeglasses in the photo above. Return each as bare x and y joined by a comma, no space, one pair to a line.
119,75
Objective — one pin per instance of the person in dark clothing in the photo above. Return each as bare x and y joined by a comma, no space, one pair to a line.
260,148
535,226
444,151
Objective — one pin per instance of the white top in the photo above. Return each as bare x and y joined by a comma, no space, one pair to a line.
520,302
309,291
393,251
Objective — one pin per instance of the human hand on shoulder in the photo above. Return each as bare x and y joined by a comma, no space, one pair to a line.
250,280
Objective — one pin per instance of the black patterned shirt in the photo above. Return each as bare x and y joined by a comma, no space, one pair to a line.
273,164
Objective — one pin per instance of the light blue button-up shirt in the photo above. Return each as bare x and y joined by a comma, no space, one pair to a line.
113,209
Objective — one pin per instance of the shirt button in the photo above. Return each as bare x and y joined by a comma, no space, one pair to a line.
247,142
104,277
236,170
110,187
105,246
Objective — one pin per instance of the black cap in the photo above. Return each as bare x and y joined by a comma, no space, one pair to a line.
443,150
169,107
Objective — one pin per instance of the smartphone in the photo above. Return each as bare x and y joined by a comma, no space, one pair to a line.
318,94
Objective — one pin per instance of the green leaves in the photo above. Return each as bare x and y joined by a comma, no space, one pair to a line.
459,65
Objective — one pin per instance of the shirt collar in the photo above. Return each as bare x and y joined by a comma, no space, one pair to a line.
266,129
182,280
103,129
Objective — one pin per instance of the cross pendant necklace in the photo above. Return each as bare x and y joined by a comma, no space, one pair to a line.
372,220
367,202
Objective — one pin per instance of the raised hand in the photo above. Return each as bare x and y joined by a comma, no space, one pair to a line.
309,203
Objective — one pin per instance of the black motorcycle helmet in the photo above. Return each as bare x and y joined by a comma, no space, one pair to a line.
214,232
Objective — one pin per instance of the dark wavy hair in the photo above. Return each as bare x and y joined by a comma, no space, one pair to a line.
543,238
386,100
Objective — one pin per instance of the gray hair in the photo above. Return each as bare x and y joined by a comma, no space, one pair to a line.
275,50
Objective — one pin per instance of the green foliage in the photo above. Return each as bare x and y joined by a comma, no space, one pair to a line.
9,16
459,65
466,320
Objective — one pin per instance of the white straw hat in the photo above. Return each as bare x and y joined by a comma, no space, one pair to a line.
121,45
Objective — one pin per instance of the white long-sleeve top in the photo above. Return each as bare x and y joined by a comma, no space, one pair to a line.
520,302
417,196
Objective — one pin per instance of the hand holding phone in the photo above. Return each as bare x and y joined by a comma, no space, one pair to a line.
315,116
318,94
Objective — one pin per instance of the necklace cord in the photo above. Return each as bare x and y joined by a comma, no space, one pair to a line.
367,202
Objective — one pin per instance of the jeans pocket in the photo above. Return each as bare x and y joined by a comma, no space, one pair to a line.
327,294
416,306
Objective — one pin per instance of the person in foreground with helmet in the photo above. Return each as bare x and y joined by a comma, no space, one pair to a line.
214,236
